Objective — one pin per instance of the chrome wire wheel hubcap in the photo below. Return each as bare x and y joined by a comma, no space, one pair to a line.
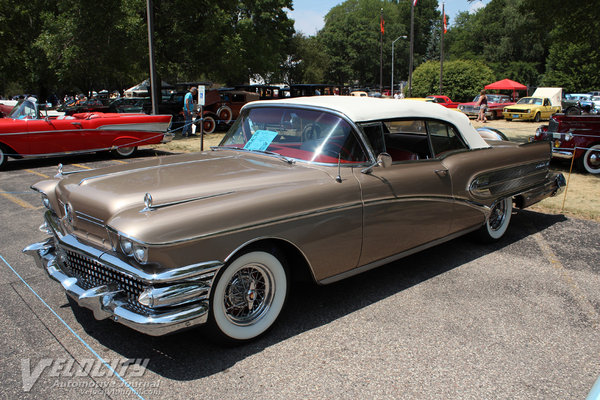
497,215
249,294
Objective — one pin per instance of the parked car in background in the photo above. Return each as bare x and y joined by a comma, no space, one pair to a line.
531,109
6,107
320,188
574,136
576,103
542,104
26,132
496,103
359,93
443,101
232,102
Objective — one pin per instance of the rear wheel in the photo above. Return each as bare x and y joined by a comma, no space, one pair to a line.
209,124
591,159
124,151
497,223
573,111
3,156
248,296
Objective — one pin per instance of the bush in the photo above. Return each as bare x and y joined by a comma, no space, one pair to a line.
462,79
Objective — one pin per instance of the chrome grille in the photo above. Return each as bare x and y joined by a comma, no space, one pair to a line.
91,274
552,125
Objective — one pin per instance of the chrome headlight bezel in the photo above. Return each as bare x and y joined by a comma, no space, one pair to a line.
133,248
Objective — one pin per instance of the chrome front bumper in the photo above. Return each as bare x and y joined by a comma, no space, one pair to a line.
179,298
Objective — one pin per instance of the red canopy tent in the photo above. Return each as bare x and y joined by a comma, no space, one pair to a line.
506,84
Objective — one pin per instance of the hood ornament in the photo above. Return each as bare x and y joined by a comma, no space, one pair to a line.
60,171
147,202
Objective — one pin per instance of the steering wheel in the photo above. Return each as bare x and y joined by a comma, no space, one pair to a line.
310,132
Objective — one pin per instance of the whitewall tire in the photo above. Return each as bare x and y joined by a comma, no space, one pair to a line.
497,223
248,296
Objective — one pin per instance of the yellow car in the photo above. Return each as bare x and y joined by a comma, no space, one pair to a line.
531,108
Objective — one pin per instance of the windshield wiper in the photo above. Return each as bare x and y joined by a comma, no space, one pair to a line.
271,153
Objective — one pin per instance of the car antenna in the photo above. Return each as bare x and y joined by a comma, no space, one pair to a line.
338,178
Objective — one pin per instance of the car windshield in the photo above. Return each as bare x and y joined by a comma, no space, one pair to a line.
299,134
530,100
25,110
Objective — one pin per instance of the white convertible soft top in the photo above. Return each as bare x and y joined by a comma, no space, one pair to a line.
364,109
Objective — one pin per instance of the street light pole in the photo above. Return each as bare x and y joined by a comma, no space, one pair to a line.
398,38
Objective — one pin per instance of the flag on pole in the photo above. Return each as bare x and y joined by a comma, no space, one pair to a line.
381,25
445,26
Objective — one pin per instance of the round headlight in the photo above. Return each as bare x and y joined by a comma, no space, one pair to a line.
127,246
140,253
46,202
568,136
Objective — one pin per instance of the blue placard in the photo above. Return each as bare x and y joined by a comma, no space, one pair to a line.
260,140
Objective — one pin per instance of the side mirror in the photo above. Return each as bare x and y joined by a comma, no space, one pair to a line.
384,160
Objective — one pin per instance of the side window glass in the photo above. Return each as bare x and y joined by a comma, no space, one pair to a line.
406,140
444,138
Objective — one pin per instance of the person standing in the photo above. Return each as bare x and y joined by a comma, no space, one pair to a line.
483,105
188,108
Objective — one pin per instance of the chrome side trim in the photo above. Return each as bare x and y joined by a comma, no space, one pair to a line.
157,127
395,257
174,203
253,226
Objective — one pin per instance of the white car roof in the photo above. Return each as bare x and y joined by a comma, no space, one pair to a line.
364,109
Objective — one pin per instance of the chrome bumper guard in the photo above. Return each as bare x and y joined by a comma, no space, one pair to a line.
178,299
553,186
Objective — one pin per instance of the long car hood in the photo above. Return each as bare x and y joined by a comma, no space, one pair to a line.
115,195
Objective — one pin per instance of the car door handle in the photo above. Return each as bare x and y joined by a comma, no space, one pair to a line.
442,172
77,124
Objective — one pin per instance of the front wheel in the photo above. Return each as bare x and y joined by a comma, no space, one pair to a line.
537,117
497,223
591,159
248,296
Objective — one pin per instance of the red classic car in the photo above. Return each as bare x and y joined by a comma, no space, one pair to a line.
6,107
574,136
26,132
443,101
496,104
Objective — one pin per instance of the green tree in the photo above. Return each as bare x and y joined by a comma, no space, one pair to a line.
463,79
507,35
22,65
307,62
94,45
351,37
574,53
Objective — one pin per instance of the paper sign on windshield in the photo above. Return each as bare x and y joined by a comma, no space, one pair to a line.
260,140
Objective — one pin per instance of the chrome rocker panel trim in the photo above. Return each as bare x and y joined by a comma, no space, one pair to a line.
174,309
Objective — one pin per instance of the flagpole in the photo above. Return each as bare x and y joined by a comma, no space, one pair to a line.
412,41
381,53
442,46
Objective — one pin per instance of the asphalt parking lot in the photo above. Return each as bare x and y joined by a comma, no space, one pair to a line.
519,319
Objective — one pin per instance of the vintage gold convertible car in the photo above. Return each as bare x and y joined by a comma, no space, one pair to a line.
322,187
